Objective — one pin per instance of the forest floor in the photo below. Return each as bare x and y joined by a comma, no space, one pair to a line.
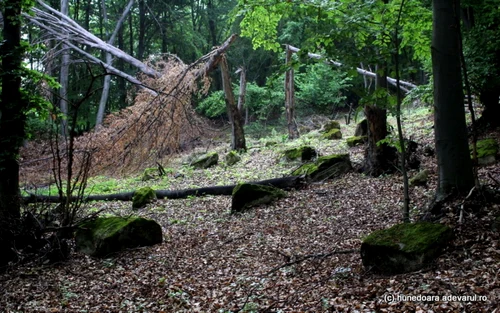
274,258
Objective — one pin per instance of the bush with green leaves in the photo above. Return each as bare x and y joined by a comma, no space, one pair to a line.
319,89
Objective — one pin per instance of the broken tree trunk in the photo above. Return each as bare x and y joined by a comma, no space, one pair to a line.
293,131
282,183
361,71
238,134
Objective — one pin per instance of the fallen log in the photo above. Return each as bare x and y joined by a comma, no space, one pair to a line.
282,183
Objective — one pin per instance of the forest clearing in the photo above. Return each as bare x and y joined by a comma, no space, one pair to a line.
249,156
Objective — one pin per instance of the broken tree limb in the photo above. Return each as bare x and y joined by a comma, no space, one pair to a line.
282,183
361,71
63,28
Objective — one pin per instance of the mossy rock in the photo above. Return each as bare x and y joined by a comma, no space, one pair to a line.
304,153
206,161
232,158
248,195
404,247
331,125
150,173
142,197
356,140
333,134
420,179
487,150
325,167
106,235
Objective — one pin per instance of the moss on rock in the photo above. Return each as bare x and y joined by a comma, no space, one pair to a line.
404,247
142,197
325,167
356,140
106,235
331,125
232,158
333,134
487,150
248,195
206,161
304,153
420,179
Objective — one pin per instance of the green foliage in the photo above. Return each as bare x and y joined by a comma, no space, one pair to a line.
422,93
319,89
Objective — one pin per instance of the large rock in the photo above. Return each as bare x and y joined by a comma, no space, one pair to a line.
420,179
304,153
232,158
206,161
356,140
142,197
330,125
106,235
248,195
333,134
325,167
487,150
404,247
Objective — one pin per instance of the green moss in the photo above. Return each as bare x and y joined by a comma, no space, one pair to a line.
411,238
304,153
208,160
333,134
232,158
142,197
486,147
355,140
247,195
306,169
331,125
149,173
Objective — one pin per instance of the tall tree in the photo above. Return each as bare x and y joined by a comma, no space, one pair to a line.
454,163
12,121
64,76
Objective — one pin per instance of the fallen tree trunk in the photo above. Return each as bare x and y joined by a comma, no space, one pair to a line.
361,71
282,183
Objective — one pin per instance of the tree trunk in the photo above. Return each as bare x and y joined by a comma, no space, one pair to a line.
64,78
453,156
243,91
238,134
379,159
107,78
293,131
142,30
12,122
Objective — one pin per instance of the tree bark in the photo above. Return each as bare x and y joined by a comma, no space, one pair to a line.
12,122
109,59
64,77
238,134
243,91
282,183
293,131
453,157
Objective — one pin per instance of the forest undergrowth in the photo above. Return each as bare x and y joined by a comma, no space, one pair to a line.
282,257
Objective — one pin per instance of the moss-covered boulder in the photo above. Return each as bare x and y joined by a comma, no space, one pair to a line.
330,125
325,167
150,173
270,144
248,195
232,158
106,235
142,197
304,153
333,134
356,140
420,179
404,247
206,161
487,150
